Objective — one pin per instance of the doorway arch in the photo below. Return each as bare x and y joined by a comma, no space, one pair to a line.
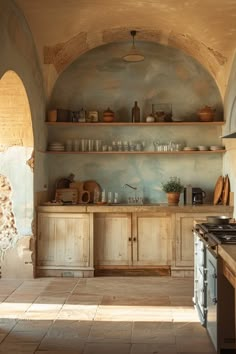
16,176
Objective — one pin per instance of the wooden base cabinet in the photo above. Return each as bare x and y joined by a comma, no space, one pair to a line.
152,236
112,239
132,240
64,244
183,247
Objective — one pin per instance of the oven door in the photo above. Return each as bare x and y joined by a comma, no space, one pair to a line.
200,278
211,322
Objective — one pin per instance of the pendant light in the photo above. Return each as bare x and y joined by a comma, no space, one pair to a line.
134,55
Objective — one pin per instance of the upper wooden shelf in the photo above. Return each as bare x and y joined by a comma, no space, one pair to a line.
67,124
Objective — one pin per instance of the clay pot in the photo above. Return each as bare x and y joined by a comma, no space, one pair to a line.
108,115
206,114
173,198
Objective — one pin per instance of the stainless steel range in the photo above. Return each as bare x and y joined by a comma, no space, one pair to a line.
207,238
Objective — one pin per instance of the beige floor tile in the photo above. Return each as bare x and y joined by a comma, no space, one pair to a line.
152,332
70,329
75,344
130,315
189,329
136,300
141,348
32,326
16,347
194,344
119,332
84,299
107,348
6,324
133,313
24,337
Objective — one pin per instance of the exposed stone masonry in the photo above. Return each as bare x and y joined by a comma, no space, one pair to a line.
8,231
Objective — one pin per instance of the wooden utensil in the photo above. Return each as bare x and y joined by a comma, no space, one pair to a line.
218,190
90,186
226,189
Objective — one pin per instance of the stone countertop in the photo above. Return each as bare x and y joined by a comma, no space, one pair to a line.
126,208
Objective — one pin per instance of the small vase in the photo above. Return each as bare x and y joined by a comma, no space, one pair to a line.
173,198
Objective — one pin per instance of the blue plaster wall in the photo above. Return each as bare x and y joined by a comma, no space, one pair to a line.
99,79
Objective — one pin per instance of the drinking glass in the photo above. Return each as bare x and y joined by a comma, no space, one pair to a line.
90,145
84,145
98,145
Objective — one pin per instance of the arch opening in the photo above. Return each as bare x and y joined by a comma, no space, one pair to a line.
16,172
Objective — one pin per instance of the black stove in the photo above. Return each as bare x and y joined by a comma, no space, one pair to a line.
219,234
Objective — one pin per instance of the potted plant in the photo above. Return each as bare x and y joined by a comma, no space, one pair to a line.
173,188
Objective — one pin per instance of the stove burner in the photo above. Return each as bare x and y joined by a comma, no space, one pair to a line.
217,234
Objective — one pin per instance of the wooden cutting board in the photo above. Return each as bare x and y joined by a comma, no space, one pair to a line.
91,186
218,190
226,190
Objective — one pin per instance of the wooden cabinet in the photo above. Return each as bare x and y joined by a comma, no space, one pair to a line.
183,247
112,239
64,242
151,236
132,240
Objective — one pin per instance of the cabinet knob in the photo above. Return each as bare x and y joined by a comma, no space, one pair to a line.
130,239
134,239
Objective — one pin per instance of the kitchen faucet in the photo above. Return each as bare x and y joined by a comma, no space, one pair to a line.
128,185
135,199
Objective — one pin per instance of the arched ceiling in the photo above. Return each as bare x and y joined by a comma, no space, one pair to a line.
63,30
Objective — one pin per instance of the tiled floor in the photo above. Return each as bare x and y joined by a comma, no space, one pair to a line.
110,315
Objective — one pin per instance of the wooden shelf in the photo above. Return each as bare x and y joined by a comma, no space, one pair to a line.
182,152
102,124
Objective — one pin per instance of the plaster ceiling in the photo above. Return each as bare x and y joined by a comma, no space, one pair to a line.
64,29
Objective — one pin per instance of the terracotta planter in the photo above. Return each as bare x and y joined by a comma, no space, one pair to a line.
173,198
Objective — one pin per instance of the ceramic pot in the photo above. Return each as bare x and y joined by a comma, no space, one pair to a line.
108,115
173,198
206,114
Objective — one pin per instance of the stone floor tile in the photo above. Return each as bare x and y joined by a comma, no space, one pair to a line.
84,299
136,300
189,329
24,337
133,313
61,343
32,326
144,348
194,344
70,329
144,332
16,347
119,332
107,348
60,351
6,324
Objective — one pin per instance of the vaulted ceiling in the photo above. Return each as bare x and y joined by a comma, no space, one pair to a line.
65,29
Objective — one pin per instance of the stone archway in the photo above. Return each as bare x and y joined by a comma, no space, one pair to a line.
16,172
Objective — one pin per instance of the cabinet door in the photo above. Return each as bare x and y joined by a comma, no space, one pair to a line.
184,252
112,239
46,250
63,240
152,235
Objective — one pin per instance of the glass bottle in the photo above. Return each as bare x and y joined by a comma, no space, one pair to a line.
135,113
